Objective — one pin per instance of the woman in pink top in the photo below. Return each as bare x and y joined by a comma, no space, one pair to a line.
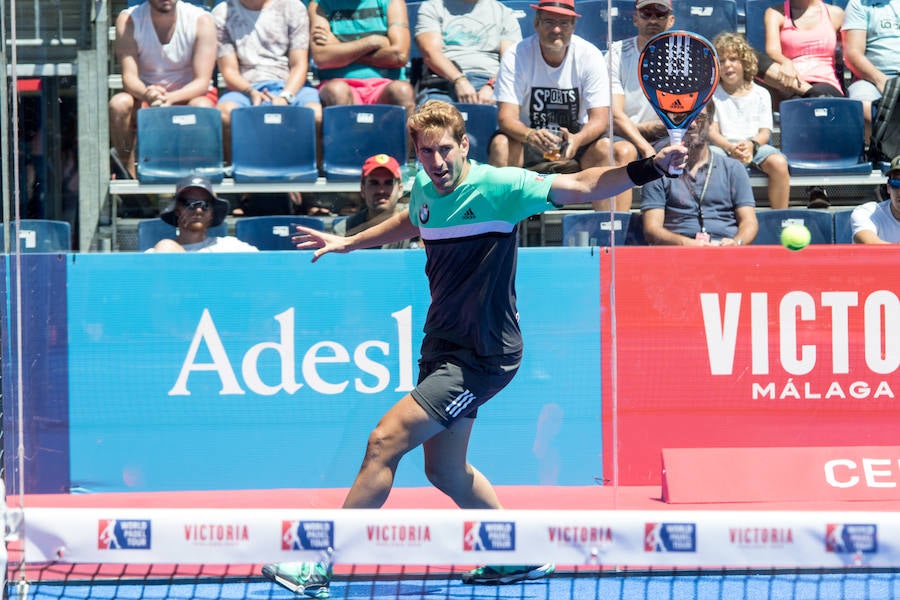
801,38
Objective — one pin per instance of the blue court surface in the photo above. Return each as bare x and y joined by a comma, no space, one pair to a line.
740,586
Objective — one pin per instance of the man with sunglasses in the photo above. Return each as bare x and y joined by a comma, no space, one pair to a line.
194,209
879,222
633,116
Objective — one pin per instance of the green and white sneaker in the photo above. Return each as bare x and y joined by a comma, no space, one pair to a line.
309,578
502,575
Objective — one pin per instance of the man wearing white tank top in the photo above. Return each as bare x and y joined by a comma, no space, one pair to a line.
166,51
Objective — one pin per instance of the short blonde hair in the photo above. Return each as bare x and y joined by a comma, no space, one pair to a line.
436,117
737,44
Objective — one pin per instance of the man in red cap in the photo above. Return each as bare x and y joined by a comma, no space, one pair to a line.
552,94
381,188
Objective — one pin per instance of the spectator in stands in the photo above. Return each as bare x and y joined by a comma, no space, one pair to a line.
461,42
633,117
194,209
879,222
871,45
801,40
166,51
263,57
710,204
553,96
381,189
743,124
361,48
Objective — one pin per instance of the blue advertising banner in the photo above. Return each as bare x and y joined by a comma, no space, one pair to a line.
34,302
259,371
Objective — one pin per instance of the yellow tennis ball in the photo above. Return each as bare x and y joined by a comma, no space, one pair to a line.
795,236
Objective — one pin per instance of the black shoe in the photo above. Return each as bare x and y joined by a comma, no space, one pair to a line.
818,198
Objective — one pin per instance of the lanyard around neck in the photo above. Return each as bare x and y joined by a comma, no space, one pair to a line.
712,157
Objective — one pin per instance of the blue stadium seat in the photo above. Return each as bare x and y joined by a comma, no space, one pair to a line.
843,232
151,231
176,141
336,220
709,18
273,144
592,25
819,222
635,233
823,136
481,123
40,235
273,233
755,28
353,133
600,231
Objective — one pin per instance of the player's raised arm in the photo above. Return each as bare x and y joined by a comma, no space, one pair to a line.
603,182
395,229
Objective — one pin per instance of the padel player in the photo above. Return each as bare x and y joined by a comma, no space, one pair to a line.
466,214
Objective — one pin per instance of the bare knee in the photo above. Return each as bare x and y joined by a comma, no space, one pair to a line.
624,153
202,102
335,92
121,106
225,108
446,478
400,93
776,164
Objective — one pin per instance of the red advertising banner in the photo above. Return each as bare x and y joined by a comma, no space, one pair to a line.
747,347
798,474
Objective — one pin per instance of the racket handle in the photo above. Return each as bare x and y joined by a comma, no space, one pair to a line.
675,138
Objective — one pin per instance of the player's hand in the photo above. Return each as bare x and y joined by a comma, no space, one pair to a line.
671,159
321,242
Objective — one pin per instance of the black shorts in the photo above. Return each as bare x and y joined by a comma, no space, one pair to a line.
454,381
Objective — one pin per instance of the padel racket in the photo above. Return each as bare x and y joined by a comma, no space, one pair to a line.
678,71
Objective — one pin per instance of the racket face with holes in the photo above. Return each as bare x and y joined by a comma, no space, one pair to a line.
678,71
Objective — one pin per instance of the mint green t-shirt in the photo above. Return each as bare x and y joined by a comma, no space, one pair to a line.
471,239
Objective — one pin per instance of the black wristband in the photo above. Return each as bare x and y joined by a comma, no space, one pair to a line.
643,171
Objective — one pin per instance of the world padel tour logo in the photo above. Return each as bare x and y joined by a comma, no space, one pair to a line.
307,535
123,534
485,536
670,537
845,538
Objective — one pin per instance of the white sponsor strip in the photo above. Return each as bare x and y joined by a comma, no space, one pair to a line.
736,539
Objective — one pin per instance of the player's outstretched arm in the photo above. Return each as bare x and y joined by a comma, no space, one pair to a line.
395,229
603,182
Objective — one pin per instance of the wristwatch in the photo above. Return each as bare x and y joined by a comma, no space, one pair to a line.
289,96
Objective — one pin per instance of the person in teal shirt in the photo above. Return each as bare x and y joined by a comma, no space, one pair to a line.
467,215
360,48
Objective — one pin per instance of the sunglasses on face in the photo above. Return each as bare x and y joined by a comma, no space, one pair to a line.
894,183
647,14
553,24
195,204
